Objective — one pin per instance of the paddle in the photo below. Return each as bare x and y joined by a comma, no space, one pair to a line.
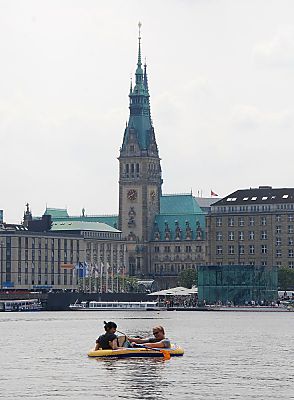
166,353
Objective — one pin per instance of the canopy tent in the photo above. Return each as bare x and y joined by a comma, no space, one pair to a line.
177,291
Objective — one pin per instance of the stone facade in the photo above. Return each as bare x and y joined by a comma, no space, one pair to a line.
34,260
254,226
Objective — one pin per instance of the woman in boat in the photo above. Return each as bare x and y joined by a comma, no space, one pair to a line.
108,341
157,341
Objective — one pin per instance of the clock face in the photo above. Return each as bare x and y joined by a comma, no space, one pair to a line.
132,194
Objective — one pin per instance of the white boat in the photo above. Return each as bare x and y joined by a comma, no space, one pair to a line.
20,305
116,306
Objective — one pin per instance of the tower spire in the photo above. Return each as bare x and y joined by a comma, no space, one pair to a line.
139,50
139,71
145,80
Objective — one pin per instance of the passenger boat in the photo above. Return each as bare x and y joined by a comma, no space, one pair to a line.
116,306
174,351
20,305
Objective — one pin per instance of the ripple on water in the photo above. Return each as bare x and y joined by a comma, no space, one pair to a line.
228,356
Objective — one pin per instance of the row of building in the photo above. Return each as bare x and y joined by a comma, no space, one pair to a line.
247,227
154,236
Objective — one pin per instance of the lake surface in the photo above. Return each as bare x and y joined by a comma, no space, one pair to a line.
228,356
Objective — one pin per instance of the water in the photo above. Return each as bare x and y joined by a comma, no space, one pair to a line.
228,356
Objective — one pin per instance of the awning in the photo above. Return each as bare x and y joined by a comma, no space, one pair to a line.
177,291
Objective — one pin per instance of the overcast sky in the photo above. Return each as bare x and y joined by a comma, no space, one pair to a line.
221,84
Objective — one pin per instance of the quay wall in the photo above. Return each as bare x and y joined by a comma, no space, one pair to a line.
61,301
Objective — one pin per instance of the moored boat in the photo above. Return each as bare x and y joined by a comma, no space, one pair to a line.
116,306
174,351
21,305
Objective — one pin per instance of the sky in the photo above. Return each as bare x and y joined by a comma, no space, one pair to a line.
221,88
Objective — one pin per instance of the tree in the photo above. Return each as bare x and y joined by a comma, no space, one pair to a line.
188,278
286,278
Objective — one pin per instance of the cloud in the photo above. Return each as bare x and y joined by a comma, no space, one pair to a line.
249,117
277,52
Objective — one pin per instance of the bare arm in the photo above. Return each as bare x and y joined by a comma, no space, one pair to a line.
137,340
155,345
113,344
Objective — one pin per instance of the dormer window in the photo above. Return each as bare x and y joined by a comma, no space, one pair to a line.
132,148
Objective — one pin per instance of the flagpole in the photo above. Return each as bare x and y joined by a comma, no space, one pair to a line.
106,286
101,276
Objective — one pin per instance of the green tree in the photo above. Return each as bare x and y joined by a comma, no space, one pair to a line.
188,278
286,278
131,284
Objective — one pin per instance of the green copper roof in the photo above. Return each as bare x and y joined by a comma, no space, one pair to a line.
179,211
69,225
59,214
179,204
172,221
140,123
56,212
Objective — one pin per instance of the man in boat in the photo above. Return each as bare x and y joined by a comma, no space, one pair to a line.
157,341
108,341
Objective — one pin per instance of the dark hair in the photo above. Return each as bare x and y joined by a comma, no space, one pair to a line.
109,325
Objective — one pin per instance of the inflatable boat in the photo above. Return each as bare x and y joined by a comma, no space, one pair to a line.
174,351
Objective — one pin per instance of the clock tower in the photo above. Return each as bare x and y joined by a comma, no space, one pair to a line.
139,174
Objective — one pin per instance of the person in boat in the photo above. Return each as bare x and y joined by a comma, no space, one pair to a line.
107,341
157,341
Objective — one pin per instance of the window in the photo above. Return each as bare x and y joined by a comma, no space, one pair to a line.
291,264
251,221
278,229
251,249
241,221
219,249
263,220
278,218
219,221
263,249
290,253
231,221
156,249
198,249
290,241
264,263
263,235
290,217
231,249
290,229
178,249
241,249
230,235
166,249
241,235
188,249
219,236
278,241
278,252
251,235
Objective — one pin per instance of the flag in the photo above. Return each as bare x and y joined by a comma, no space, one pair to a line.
213,194
86,269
